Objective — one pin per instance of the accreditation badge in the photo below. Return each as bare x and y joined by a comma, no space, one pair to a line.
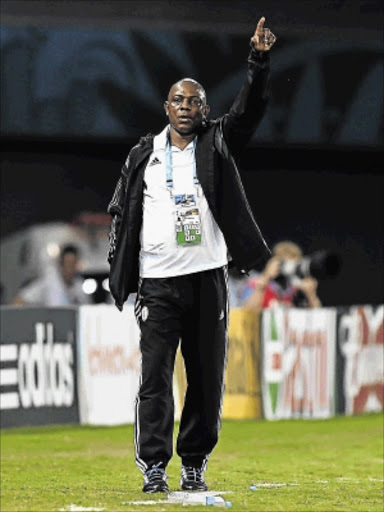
188,222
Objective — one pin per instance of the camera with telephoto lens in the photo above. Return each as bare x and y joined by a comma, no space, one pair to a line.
320,265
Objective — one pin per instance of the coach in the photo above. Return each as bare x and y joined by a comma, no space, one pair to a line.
179,215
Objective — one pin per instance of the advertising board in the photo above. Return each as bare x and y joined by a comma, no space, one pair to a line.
109,364
38,375
298,363
360,359
242,397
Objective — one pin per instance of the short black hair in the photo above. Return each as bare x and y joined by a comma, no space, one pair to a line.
193,81
68,249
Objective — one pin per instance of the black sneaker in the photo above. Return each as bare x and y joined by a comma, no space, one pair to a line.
192,479
155,480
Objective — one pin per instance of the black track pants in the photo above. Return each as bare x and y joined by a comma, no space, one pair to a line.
192,309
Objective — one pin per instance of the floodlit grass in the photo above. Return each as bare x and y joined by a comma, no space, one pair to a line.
328,465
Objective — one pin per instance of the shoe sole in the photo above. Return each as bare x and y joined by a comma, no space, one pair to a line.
192,488
165,491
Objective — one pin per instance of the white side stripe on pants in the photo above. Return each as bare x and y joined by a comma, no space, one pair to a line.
140,463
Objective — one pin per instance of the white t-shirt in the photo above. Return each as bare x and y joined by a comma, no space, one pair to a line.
160,256
50,290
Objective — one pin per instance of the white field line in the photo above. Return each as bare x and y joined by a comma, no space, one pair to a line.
77,508
267,484
358,480
148,502
324,482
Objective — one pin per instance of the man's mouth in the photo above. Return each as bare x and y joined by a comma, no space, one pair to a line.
184,119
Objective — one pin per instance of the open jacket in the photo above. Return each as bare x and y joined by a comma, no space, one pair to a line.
219,145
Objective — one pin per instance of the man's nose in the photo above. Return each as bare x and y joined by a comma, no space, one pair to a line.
185,104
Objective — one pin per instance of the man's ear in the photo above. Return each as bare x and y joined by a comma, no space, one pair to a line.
166,107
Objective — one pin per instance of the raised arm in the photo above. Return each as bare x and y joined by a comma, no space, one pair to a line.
263,39
249,106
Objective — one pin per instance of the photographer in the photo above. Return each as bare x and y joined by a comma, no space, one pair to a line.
272,286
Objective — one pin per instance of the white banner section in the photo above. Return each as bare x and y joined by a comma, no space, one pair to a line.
298,363
109,364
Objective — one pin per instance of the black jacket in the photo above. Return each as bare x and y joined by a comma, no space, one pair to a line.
219,144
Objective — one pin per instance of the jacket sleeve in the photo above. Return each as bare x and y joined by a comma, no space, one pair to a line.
115,209
249,106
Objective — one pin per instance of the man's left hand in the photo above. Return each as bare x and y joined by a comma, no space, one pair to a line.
262,39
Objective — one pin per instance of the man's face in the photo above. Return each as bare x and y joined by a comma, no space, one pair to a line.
186,107
69,267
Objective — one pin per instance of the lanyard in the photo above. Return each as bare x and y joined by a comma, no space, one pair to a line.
169,165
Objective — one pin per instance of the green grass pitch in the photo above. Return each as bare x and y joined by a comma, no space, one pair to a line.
296,465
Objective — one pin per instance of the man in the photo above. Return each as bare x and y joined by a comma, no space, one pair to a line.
178,210
61,287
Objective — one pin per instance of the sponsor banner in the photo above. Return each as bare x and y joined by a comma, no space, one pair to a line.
360,359
298,363
242,397
38,366
109,364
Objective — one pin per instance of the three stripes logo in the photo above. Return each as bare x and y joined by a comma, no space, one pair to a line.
155,161
9,377
37,374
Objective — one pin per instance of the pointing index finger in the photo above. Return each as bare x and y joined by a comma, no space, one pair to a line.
260,25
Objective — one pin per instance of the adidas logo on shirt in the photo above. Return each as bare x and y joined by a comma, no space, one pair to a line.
154,161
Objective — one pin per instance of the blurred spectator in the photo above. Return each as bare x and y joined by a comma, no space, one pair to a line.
60,287
271,287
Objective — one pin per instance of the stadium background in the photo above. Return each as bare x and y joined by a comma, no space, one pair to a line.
81,81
